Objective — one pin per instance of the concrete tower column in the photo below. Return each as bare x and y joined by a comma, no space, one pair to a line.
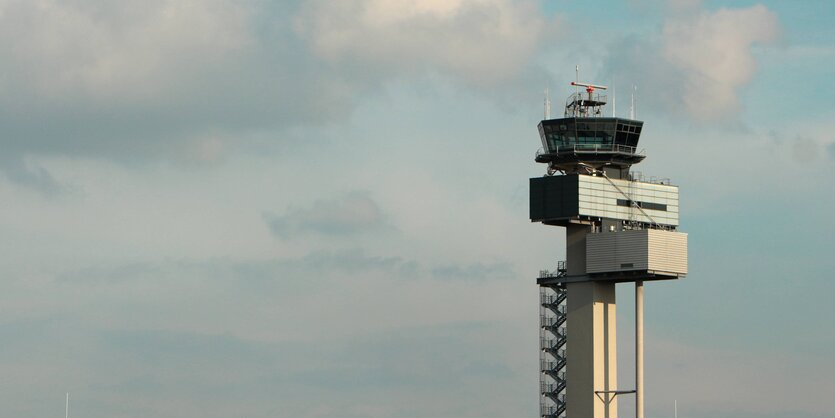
639,349
591,350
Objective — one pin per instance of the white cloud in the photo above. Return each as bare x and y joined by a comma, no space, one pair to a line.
711,52
477,41
698,63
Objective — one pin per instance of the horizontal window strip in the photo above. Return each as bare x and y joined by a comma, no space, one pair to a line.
642,205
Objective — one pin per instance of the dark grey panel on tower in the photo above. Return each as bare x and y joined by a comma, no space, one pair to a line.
554,198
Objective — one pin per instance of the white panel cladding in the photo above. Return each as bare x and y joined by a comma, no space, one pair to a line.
667,251
598,197
652,250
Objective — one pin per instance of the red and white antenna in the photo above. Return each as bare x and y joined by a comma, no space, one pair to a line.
589,87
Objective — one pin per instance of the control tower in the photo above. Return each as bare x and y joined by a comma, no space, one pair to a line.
620,228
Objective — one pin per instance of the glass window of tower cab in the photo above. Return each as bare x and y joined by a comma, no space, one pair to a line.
589,133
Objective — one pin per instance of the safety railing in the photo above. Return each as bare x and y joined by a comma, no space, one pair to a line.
600,148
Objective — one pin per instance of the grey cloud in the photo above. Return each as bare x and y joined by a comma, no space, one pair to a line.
804,150
118,81
352,214
443,349
240,272
287,276
164,373
474,272
188,350
128,82
102,274
438,355
32,176
150,372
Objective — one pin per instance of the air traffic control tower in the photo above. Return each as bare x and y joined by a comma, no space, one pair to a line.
620,228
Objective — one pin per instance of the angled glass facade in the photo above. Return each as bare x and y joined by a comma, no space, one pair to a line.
589,133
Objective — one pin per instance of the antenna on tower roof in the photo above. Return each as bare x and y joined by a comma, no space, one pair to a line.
614,99
632,105
547,104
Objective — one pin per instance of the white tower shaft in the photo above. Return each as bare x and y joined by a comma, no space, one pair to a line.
591,351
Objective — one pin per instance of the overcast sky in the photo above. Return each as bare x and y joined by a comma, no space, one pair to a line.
315,208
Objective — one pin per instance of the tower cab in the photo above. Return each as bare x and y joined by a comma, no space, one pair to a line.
584,138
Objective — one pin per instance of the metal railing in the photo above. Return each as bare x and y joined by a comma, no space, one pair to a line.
608,148
640,177
585,104
559,272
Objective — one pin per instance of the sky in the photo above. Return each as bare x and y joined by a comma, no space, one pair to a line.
319,208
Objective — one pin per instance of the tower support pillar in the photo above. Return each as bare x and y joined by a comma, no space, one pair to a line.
592,350
639,349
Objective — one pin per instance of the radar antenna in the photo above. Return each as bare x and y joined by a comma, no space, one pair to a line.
585,104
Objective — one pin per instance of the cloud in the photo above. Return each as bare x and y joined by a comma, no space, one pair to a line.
478,42
163,373
803,140
31,175
183,79
352,214
805,150
698,63
713,53
281,270
352,260
475,271
128,81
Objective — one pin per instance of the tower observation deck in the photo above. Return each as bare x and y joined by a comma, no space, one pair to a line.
620,228
584,136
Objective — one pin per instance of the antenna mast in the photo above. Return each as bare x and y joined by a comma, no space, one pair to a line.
547,104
